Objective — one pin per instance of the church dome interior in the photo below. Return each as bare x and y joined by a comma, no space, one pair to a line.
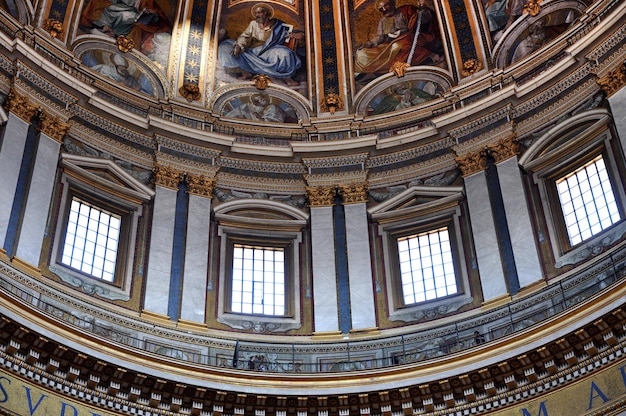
312,208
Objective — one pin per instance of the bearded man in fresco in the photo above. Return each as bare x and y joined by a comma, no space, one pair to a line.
261,48
395,39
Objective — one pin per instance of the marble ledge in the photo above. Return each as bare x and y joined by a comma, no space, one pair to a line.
530,289
496,302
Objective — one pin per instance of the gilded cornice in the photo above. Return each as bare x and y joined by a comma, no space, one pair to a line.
200,185
167,177
321,196
504,149
472,162
614,80
53,127
354,193
20,106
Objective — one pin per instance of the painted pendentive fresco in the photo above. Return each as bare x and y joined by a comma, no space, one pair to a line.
404,94
260,106
386,32
262,39
147,22
116,67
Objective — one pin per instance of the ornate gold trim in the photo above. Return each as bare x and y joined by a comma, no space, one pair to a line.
472,162
321,196
614,80
53,27
471,66
331,103
20,106
167,177
504,149
190,91
53,127
532,7
124,44
354,193
200,185
261,81
399,68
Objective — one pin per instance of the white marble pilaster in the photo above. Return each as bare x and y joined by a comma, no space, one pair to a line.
40,190
362,304
617,102
521,231
161,246
485,239
193,305
11,153
325,308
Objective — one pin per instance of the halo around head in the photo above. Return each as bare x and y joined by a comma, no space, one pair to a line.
265,6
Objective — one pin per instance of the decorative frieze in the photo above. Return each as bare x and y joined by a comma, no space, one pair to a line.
200,185
53,127
321,196
504,149
167,177
614,80
354,193
20,106
472,162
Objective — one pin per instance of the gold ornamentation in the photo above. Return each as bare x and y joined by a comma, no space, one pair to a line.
504,149
124,44
331,103
471,66
532,7
321,196
190,91
167,177
20,106
472,162
354,193
261,81
53,27
200,185
399,68
53,127
614,80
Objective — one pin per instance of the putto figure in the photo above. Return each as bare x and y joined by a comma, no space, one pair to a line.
404,34
262,48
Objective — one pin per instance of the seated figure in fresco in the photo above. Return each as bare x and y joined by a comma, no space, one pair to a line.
139,20
395,39
501,14
402,95
261,48
259,108
535,39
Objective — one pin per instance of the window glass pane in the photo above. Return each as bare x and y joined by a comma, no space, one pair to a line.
258,280
90,241
426,266
587,201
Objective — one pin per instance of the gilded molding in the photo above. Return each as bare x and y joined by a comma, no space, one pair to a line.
399,68
321,196
472,162
20,106
614,80
124,44
504,149
470,67
331,103
200,185
191,92
261,81
53,27
53,127
532,7
167,177
354,193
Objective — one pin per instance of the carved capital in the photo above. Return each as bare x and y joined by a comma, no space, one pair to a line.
614,80
321,196
167,177
472,162
20,106
504,149
354,193
53,127
200,185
